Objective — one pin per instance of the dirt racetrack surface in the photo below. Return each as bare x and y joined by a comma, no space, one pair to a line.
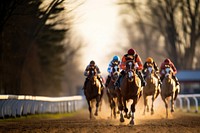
80,123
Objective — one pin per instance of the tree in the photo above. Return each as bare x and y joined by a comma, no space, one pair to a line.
34,46
177,21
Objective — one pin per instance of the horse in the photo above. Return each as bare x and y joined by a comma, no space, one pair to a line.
169,89
151,89
111,91
93,91
130,89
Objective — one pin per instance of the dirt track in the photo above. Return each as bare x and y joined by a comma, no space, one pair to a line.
80,123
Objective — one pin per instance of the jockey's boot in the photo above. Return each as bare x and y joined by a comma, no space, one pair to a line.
159,80
121,75
108,81
176,80
101,81
85,84
141,78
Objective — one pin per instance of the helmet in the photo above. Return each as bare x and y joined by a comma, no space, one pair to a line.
149,60
116,58
167,60
92,62
131,51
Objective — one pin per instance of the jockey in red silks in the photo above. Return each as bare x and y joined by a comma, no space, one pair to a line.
131,55
86,73
162,70
115,61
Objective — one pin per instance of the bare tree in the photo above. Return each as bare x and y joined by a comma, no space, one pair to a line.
178,21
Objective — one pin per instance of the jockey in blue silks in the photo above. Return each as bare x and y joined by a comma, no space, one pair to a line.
115,60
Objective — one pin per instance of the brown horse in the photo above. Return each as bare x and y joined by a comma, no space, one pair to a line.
111,91
130,90
93,91
169,89
151,89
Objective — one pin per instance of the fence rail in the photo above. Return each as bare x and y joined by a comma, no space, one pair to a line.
185,100
19,105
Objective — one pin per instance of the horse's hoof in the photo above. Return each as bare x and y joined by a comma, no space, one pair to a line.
96,114
152,111
131,122
121,119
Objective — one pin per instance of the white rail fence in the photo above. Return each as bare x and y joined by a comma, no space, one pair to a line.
19,105
186,101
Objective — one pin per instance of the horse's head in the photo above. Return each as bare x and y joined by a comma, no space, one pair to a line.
150,70
130,70
115,72
168,71
92,74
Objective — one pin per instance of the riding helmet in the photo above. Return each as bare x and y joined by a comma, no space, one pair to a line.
167,60
149,60
92,62
116,58
131,51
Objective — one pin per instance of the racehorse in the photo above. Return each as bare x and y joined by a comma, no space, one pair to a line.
130,89
169,89
93,91
151,89
111,91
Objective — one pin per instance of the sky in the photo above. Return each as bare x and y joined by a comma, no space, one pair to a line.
98,26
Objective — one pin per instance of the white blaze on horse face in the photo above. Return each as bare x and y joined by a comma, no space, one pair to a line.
130,64
167,70
130,74
150,69
92,72
115,68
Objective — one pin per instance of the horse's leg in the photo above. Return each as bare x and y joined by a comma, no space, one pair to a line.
110,102
133,111
100,103
114,109
145,103
120,106
172,102
97,105
125,109
166,106
89,108
152,110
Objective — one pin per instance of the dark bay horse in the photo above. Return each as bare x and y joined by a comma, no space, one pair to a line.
111,92
151,89
169,89
93,91
130,90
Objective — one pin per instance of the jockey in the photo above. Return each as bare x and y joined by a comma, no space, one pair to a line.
86,73
162,70
150,61
115,60
131,55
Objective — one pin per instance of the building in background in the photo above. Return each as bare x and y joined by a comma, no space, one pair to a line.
190,81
